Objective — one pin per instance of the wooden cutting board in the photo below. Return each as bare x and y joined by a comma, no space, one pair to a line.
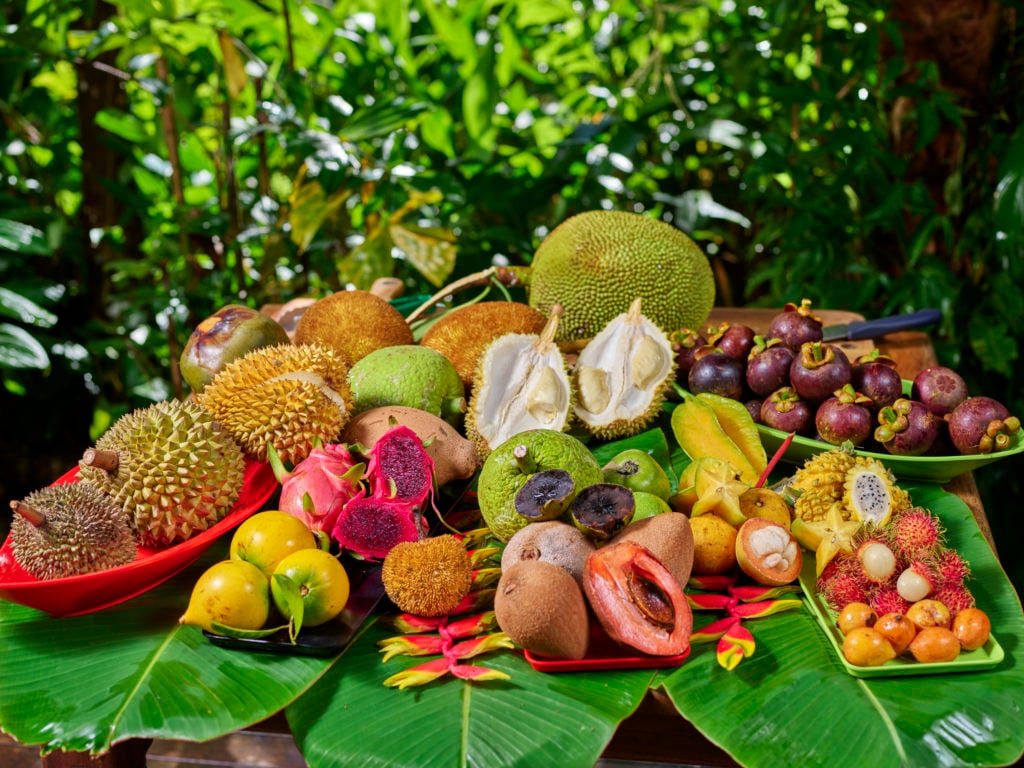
758,319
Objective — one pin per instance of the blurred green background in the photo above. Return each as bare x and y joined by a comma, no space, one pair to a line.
162,159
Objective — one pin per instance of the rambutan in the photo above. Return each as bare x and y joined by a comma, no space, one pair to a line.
842,582
915,533
917,581
877,560
955,597
950,568
886,599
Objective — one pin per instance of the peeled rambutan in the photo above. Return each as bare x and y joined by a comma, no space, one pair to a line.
877,560
955,597
915,533
886,599
917,581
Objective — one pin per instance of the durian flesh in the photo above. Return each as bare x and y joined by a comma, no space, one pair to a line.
621,376
522,383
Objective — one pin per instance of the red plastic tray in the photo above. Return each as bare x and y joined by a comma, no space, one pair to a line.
603,653
95,591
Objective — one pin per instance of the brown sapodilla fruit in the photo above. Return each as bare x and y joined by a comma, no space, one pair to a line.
541,608
669,537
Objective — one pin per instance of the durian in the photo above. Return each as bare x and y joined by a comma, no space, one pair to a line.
621,376
68,530
868,492
585,261
171,467
290,396
463,334
521,384
353,323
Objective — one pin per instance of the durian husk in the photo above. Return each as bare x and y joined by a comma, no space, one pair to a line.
70,529
522,383
622,376
288,396
177,472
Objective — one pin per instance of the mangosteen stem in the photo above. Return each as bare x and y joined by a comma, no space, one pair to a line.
101,459
30,513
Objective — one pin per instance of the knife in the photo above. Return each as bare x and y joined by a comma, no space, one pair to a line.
869,329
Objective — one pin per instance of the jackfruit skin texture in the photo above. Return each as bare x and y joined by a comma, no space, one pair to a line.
178,471
288,395
353,323
596,262
85,531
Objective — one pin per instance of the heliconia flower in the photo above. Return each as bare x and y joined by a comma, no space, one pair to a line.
319,486
411,624
416,645
748,592
734,646
469,672
477,557
420,674
474,601
483,577
467,649
764,608
702,602
400,467
714,630
711,583
469,625
370,527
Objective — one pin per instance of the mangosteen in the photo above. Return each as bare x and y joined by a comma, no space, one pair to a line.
981,425
874,375
734,339
907,428
768,366
754,409
716,372
785,410
685,343
796,325
940,388
818,370
844,417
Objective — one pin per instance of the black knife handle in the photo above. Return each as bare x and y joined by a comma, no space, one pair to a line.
869,329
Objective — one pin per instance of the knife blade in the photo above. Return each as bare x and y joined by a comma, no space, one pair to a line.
869,329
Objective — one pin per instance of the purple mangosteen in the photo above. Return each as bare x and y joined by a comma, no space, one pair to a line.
981,425
874,375
908,428
940,388
768,366
818,370
796,325
845,417
716,372
785,410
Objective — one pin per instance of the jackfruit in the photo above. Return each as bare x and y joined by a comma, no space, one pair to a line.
585,263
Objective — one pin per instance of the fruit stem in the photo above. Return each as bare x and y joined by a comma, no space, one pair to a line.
547,334
504,275
521,453
33,515
101,459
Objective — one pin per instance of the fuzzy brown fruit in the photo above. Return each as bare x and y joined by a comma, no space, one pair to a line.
541,608
637,600
669,537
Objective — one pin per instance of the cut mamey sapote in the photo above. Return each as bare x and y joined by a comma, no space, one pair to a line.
541,608
637,600
699,433
768,552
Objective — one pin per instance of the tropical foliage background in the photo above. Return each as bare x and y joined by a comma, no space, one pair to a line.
162,159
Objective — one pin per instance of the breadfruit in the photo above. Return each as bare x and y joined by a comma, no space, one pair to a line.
521,384
287,395
585,262
170,466
352,323
622,375
68,530
463,334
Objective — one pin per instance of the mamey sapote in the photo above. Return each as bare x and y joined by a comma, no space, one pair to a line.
541,608
637,600
667,536
552,541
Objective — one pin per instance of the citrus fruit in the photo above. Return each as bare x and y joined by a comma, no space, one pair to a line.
233,593
318,579
265,538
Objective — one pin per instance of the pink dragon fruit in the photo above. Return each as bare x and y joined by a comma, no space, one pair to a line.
400,467
369,526
320,485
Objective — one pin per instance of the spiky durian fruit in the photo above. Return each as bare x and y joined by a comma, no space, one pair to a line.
621,376
521,384
290,396
868,492
68,530
171,467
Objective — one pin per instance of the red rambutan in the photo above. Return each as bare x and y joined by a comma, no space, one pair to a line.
886,599
915,533
955,597
950,568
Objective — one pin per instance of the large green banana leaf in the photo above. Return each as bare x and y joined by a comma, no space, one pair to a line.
85,683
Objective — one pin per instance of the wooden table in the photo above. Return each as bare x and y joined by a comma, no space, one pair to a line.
655,732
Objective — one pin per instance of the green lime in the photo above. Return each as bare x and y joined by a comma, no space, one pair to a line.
507,468
410,376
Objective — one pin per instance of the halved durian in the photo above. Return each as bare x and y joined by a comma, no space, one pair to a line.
521,383
621,376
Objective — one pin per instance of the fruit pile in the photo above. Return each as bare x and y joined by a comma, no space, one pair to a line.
791,380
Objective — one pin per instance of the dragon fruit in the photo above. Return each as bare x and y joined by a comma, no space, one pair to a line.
320,485
400,467
371,526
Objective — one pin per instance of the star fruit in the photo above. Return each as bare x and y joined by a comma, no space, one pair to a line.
826,538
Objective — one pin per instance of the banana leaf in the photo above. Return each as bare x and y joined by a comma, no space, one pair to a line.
87,682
